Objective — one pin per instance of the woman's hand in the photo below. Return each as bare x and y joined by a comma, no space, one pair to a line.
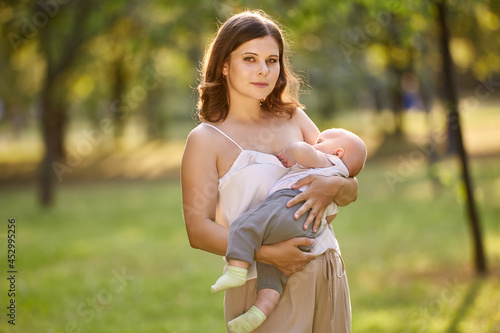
286,255
320,193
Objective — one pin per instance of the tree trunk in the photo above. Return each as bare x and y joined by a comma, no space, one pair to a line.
451,102
53,102
397,103
52,119
157,121
396,71
53,124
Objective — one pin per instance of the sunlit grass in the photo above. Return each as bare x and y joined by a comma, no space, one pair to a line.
407,251
410,253
68,258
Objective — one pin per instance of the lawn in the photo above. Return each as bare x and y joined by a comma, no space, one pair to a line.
113,256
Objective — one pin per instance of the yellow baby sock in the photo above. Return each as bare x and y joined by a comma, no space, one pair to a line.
234,277
248,321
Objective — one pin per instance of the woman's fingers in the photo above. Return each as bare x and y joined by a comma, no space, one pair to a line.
299,198
315,216
314,200
296,259
298,241
303,196
317,220
306,257
311,217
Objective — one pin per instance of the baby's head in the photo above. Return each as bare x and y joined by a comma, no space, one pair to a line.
346,145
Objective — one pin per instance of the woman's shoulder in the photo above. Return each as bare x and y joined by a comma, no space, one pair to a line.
202,143
309,130
207,136
300,117
202,131
300,113
201,136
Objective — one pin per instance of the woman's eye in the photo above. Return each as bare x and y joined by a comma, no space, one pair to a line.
248,59
273,61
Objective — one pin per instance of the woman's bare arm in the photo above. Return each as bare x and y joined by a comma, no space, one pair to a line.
199,194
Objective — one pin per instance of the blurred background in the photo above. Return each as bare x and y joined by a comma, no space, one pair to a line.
96,101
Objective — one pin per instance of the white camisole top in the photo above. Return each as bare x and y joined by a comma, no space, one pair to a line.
247,183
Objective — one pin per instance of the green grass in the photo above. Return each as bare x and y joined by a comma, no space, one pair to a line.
407,251
68,259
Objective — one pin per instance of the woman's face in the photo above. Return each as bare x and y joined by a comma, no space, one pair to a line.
253,69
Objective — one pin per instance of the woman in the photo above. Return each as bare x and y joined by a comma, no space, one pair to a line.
249,111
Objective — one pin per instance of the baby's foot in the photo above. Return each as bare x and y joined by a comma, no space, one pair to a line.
248,321
234,277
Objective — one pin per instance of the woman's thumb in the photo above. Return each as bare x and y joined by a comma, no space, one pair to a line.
303,241
303,181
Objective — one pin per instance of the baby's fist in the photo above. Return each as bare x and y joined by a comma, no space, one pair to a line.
284,159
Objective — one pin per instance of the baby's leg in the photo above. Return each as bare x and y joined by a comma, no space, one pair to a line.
270,283
266,302
244,239
267,299
235,276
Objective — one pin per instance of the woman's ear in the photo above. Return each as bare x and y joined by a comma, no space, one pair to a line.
225,69
339,152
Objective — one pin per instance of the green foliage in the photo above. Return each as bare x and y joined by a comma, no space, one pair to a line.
347,49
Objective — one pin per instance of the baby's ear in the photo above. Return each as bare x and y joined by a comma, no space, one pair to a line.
339,152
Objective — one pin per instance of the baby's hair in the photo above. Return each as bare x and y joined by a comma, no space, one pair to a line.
357,153
354,148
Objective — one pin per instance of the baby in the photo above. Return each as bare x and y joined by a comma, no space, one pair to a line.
336,153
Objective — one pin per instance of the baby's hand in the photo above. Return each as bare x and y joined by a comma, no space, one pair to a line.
284,159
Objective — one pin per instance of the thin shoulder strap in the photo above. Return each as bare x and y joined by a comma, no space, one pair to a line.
227,136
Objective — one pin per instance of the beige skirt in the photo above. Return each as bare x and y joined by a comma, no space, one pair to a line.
315,300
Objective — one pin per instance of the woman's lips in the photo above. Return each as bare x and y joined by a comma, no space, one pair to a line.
260,84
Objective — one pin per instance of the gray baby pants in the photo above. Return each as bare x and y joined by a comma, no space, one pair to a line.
267,223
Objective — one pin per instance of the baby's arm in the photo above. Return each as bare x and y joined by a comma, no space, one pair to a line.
303,154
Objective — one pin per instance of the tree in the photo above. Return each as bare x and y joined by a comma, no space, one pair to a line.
61,43
451,101
59,59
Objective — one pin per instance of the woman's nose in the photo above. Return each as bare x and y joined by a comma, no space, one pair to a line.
263,69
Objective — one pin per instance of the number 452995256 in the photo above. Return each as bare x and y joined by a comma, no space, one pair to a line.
11,236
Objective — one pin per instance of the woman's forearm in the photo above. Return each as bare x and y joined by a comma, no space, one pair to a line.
348,191
264,255
208,236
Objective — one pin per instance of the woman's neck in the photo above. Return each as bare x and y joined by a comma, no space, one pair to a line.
249,111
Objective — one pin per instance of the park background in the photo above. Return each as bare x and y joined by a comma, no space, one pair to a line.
97,98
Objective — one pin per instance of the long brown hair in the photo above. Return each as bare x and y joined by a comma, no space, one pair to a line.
213,102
